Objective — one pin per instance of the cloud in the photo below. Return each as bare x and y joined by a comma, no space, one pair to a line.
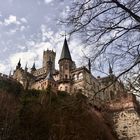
2,68
22,28
52,41
24,20
29,56
24,56
11,20
48,1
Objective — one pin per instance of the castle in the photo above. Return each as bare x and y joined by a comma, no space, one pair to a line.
108,92
68,78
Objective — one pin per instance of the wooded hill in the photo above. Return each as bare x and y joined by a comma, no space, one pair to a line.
43,115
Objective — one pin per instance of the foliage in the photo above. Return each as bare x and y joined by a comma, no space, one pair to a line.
10,86
42,115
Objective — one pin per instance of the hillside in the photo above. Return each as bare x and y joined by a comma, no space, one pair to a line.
42,115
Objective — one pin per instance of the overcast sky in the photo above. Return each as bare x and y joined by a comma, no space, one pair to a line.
27,27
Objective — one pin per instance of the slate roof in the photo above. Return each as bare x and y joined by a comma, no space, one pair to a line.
65,54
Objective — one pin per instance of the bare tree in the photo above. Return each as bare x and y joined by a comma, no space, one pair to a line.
110,29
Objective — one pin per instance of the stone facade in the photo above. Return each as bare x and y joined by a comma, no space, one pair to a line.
68,78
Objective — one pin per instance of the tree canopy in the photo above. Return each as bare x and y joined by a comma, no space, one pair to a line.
111,31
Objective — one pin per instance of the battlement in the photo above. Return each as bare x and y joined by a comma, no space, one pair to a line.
40,71
49,51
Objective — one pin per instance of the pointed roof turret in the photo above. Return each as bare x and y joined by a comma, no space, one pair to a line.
65,54
18,64
33,67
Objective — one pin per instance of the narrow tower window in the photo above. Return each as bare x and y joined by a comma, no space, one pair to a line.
66,76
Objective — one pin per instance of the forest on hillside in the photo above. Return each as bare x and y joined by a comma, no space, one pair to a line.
43,115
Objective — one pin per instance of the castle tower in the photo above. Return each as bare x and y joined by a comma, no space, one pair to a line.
50,67
65,62
49,60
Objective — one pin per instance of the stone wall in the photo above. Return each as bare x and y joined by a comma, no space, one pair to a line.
125,117
127,124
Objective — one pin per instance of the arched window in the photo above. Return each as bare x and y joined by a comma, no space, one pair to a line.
75,77
80,76
66,76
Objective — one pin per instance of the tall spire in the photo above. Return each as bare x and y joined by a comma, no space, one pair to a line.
33,67
65,54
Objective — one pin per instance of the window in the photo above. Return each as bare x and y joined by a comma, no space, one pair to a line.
75,77
66,88
60,88
66,76
80,76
